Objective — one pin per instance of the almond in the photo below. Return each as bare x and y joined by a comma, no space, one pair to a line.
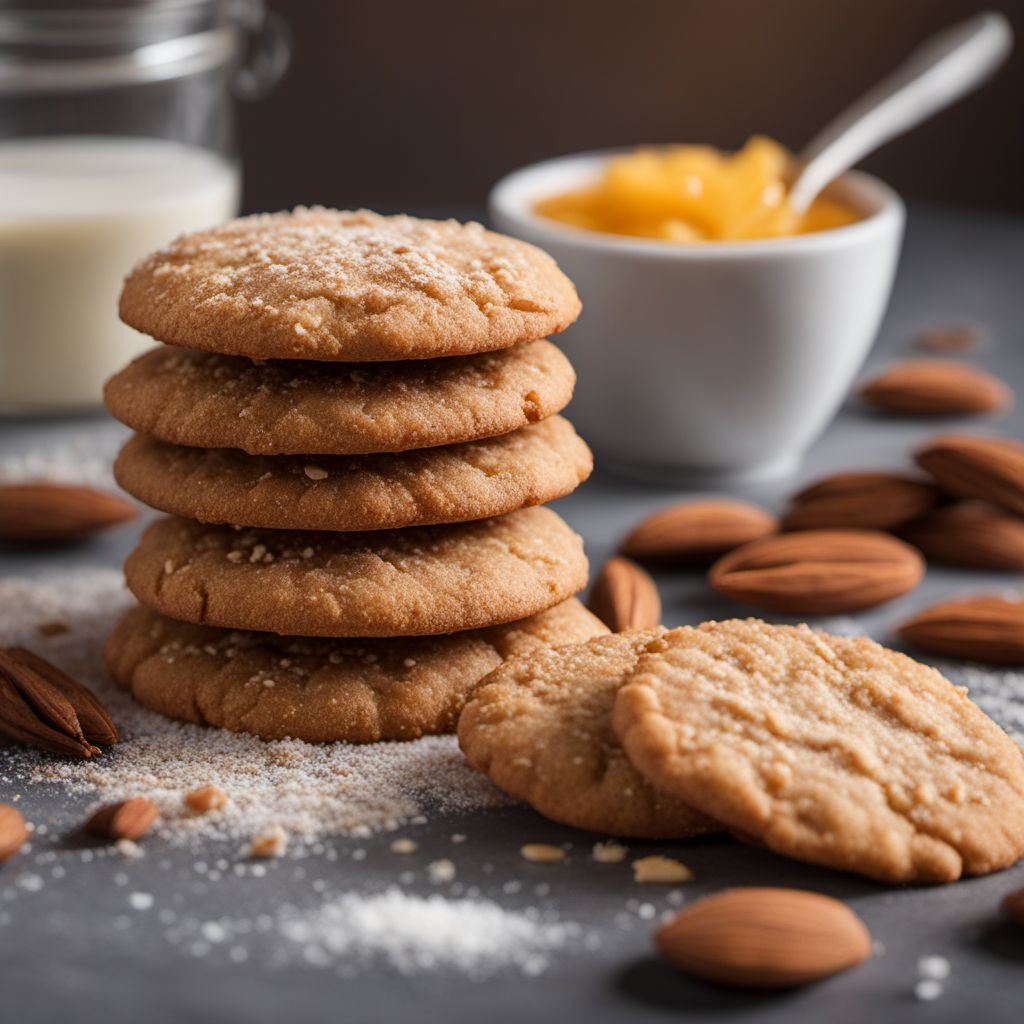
989,468
13,832
697,532
819,572
764,938
867,501
971,534
983,628
127,819
625,597
49,513
935,387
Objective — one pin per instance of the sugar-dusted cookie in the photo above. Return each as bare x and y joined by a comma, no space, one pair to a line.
827,749
281,408
451,484
414,582
315,689
342,285
540,727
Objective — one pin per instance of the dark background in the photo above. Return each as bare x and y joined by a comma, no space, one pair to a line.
416,103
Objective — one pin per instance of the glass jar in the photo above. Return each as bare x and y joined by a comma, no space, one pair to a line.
116,135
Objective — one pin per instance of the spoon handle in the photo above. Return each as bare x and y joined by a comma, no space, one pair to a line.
937,73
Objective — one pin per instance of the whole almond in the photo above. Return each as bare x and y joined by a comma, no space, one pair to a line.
625,597
13,832
866,501
127,819
935,387
819,572
972,534
49,513
697,532
982,628
989,468
764,938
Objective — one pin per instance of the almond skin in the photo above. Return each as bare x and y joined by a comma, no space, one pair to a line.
697,532
50,513
971,534
819,572
127,819
13,832
764,938
862,501
935,387
983,628
625,597
989,468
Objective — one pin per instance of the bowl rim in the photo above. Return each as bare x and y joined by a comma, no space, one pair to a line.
510,202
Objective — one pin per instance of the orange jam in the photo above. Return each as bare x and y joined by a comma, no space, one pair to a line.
695,194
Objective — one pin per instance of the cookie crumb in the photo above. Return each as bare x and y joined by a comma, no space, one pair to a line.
928,990
404,845
168,566
441,871
205,799
542,853
315,472
936,967
129,849
609,853
271,843
52,628
660,869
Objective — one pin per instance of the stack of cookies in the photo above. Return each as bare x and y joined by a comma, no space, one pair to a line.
352,424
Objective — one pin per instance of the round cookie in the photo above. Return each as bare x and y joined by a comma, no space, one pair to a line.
347,285
452,484
279,408
318,690
540,727
828,749
420,581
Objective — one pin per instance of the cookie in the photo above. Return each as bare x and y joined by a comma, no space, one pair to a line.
320,690
540,727
832,750
451,484
420,581
280,408
342,285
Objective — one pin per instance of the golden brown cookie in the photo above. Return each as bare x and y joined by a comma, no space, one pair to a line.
828,749
344,285
281,408
320,690
414,582
452,484
540,728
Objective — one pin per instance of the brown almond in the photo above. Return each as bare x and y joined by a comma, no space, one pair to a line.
625,597
982,628
972,534
935,387
49,513
697,532
764,938
819,572
949,339
989,468
13,832
860,501
127,819
1013,906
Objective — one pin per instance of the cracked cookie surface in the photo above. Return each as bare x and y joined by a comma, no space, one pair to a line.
347,285
540,728
320,690
301,408
832,750
450,484
413,582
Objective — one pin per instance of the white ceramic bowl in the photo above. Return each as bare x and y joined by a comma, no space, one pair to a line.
722,359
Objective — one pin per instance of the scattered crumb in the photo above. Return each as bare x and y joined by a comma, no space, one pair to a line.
609,852
441,871
936,967
542,853
660,869
140,900
271,843
949,339
404,845
928,990
129,849
206,799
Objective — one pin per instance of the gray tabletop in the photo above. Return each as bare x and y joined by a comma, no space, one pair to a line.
63,957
